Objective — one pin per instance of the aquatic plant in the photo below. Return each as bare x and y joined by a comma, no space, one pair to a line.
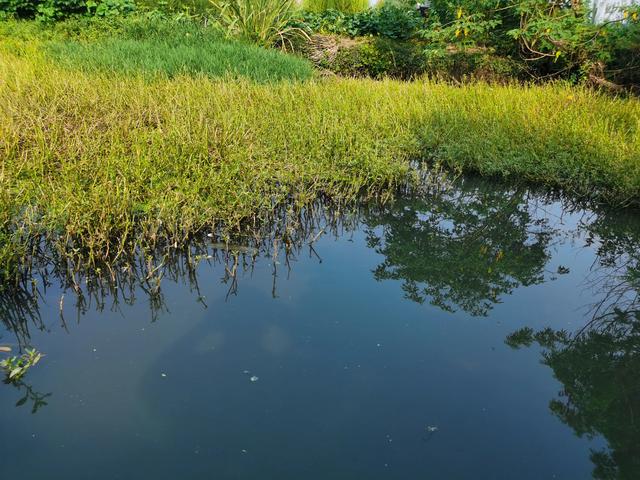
16,367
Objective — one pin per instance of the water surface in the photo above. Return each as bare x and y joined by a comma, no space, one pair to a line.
481,331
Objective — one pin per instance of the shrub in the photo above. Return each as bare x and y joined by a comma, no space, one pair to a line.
389,20
377,58
549,39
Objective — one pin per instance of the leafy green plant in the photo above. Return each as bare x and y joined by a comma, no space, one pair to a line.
263,22
53,10
110,8
389,21
17,366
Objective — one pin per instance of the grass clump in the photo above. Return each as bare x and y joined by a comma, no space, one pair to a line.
263,22
344,6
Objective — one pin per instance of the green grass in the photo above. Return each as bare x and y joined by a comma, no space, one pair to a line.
346,6
105,160
151,48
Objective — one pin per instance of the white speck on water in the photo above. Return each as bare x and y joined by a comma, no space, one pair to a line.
246,372
378,344
243,451
254,379
432,428
163,375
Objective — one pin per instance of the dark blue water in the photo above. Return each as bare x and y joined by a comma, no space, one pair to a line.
406,342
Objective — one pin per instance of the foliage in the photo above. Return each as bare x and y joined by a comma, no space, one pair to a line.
48,10
16,367
263,22
182,8
547,38
378,58
345,6
110,8
389,20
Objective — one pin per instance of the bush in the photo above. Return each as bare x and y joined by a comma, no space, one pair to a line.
472,65
373,57
389,20
549,39
48,10
379,58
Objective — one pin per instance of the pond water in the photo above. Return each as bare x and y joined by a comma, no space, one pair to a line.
481,331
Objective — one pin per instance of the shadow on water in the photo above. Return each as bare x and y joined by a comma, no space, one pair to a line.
460,248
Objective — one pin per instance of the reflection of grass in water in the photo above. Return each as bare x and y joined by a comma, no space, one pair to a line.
122,278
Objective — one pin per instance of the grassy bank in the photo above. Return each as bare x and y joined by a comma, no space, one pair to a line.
106,159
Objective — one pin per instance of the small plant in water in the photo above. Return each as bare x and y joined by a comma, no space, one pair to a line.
15,367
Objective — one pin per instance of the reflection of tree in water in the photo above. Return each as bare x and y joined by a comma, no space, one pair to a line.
461,249
599,365
28,396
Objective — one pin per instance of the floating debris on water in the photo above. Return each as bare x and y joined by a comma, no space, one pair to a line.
254,378
432,428
163,375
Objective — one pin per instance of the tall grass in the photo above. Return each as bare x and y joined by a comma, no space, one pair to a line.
263,22
104,161
346,6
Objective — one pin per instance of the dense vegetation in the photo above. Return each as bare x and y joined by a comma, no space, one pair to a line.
126,131
461,40
100,158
